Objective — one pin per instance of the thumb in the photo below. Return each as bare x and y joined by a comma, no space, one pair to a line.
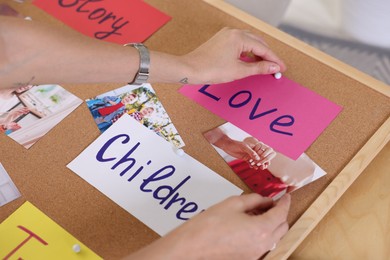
254,201
261,67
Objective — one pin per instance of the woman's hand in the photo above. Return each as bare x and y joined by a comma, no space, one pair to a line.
241,227
220,59
265,153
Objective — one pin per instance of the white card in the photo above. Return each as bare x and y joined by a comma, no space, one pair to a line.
159,187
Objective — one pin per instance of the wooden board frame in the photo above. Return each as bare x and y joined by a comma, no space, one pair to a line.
318,209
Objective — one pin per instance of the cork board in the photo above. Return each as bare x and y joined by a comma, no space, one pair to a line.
41,175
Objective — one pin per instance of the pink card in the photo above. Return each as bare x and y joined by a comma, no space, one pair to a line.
281,113
118,21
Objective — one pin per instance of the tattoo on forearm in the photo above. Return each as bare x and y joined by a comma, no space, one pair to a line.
22,84
185,81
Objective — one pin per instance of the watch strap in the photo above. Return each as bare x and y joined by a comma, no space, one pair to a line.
143,71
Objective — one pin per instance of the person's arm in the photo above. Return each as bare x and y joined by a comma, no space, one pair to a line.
257,154
8,117
234,148
32,52
241,227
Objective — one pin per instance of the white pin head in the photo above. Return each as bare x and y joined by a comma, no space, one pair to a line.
76,248
278,75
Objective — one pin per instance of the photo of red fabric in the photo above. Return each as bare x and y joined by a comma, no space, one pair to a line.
260,181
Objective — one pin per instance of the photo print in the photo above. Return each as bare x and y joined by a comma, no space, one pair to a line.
29,112
141,103
258,165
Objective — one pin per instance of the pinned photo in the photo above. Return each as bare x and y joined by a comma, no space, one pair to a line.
29,112
8,190
141,103
258,165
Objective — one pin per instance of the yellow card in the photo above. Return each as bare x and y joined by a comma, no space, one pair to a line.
30,234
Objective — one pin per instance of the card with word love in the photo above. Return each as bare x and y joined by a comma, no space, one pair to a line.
115,21
29,234
282,113
149,177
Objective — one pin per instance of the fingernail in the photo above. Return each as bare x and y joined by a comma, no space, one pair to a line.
273,68
258,164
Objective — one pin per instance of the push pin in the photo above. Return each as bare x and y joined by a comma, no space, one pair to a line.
278,75
76,248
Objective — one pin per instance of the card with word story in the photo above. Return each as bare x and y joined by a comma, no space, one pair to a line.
115,21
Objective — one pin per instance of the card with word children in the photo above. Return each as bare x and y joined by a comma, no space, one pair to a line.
150,178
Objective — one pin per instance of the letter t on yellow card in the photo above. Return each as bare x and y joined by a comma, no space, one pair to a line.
30,234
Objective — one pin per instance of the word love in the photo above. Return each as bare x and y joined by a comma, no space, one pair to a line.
94,12
243,98
165,194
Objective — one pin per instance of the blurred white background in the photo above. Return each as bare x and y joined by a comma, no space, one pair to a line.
354,31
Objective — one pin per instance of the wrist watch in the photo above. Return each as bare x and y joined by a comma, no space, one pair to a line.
144,63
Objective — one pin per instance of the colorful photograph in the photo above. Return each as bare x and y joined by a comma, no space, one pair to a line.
29,112
258,165
141,103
